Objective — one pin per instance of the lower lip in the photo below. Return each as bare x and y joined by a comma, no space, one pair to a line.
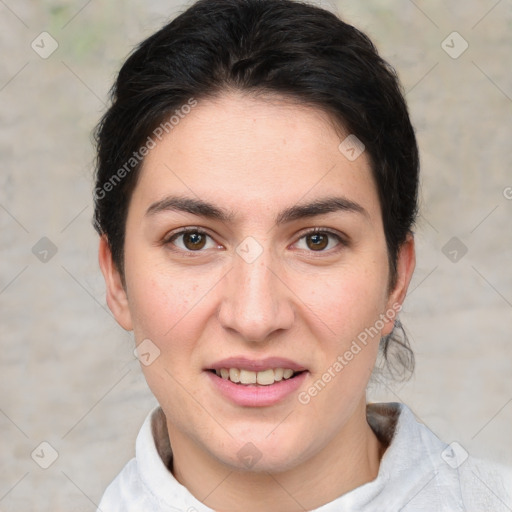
254,395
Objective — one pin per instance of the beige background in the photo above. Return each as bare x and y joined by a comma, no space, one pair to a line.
67,372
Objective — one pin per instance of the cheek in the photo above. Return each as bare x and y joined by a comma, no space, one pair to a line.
168,310
347,301
163,303
343,310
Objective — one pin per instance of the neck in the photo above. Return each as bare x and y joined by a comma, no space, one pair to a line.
347,461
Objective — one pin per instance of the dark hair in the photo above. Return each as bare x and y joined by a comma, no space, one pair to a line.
284,47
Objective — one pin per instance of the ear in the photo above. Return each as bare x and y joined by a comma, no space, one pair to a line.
405,264
117,299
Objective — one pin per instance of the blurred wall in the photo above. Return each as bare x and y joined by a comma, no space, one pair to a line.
68,376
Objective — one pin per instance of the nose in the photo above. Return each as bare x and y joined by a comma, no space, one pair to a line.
256,302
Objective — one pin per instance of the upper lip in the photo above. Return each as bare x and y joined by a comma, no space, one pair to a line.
244,363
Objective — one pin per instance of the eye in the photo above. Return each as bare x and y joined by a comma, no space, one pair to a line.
319,241
192,240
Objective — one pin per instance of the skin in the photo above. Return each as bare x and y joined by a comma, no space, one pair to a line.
255,157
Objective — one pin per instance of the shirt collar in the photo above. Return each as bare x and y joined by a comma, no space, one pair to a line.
411,471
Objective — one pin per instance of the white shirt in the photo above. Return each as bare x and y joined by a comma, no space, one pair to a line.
418,472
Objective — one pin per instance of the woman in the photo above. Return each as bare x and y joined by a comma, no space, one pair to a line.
256,192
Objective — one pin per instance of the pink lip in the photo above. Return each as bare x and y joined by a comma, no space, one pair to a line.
244,363
254,395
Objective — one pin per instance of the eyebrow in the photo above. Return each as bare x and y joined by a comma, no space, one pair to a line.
205,209
189,205
320,207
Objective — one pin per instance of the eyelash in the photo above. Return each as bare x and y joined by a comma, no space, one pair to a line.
173,236
341,241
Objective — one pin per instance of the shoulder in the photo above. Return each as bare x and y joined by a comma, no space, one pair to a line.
146,483
128,491
125,493
421,472
486,483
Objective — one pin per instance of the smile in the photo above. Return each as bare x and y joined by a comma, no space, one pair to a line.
247,382
263,378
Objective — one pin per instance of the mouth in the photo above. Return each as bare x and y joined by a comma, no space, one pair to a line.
250,383
265,377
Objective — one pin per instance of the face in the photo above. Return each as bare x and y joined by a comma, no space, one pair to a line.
254,245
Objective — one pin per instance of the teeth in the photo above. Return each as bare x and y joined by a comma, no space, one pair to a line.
287,373
263,378
247,377
234,375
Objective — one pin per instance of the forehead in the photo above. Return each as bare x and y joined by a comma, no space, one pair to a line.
254,152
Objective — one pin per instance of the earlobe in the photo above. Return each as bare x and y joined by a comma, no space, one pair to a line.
117,299
405,265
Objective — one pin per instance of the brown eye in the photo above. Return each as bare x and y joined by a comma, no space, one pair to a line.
192,240
317,241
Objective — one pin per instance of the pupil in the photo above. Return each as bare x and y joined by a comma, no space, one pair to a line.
318,241
194,241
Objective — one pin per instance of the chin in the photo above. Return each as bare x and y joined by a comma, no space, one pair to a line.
264,455
264,464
